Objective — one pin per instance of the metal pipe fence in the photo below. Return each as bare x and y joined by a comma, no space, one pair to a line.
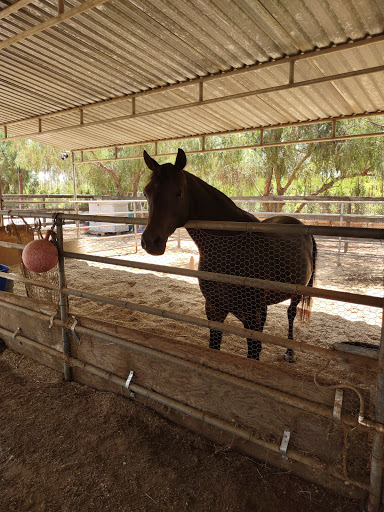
358,360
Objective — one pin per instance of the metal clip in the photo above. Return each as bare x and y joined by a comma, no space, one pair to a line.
338,405
51,318
75,322
18,331
128,382
284,443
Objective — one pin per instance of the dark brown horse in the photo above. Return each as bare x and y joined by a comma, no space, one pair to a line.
175,196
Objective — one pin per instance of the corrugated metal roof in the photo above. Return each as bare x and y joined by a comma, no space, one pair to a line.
125,62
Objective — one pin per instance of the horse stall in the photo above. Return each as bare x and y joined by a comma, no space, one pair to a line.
320,418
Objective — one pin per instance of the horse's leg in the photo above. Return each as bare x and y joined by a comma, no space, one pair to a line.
292,310
216,315
255,323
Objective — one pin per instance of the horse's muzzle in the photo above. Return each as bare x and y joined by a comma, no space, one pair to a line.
155,246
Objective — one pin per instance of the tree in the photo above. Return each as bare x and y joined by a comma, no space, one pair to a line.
342,167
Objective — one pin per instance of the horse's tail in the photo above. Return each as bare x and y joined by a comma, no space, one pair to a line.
306,300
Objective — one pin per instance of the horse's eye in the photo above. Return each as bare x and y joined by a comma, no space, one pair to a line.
179,194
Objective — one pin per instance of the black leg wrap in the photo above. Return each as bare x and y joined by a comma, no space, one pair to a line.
215,339
254,349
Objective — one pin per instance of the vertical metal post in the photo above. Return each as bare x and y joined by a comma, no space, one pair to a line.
348,223
201,91
341,225
20,181
63,299
75,193
376,476
134,215
43,207
291,77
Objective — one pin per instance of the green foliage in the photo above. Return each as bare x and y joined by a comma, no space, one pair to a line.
342,167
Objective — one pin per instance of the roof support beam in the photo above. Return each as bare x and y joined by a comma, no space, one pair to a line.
51,22
234,148
201,102
14,8
261,65
204,149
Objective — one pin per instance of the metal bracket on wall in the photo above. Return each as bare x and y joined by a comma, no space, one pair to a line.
338,405
284,443
18,331
75,322
128,382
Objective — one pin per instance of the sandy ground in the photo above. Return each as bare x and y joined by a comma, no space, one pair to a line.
331,321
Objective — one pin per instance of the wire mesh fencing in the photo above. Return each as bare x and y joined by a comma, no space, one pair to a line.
341,328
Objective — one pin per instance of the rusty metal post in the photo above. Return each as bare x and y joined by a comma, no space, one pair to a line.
77,222
341,225
348,223
63,299
376,477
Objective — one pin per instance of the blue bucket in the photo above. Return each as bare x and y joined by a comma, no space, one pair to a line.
3,280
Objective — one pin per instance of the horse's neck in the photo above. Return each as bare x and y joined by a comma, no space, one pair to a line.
208,203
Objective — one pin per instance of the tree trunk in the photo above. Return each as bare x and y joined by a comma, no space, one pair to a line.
327,186
267,207
136,180
112,173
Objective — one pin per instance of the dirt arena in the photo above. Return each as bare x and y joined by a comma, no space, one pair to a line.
67,447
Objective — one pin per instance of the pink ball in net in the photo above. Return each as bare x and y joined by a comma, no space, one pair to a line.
40,255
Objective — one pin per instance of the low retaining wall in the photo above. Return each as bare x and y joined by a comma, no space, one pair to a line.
244,404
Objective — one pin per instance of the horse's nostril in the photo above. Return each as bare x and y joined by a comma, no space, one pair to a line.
158,241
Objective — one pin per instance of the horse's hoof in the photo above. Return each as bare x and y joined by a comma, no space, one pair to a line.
290,358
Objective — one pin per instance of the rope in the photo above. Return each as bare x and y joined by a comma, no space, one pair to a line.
340,386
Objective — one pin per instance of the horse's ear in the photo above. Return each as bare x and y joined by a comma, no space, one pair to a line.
151,162
181,160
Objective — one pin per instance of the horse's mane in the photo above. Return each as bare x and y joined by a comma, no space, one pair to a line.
208,203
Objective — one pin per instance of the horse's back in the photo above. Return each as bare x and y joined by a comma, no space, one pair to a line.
256,255
282,219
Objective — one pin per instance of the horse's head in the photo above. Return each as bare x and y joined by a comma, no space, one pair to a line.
168,205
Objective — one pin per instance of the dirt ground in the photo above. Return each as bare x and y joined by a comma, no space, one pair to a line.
68,448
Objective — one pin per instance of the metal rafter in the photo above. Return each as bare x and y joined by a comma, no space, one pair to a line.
14,8
234,72
290,84
51,22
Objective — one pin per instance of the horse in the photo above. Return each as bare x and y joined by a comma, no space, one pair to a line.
175,196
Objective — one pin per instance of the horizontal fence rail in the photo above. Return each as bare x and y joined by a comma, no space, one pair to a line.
368,359
279,396
186,409
289,229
